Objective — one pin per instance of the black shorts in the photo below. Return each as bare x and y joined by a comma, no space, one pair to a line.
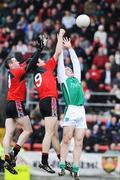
49,107
15,109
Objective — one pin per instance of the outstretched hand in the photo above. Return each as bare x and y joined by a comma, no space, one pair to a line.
42,41
67,42
61,32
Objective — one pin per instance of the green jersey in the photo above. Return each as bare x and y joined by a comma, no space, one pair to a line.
71,86
72,92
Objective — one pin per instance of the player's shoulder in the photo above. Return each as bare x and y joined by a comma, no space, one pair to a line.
50,59
36,71
19,70
51,62
40,70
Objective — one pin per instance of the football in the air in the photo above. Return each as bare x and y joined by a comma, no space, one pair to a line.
83,21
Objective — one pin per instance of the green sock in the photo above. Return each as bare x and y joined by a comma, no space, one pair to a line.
75,168
62,165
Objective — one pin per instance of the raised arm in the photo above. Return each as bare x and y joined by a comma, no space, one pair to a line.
59,44
61,69
74,59
41,43
76,64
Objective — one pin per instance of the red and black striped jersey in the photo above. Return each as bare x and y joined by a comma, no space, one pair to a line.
16,84
45,80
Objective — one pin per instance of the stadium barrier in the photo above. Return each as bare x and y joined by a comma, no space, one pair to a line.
91,164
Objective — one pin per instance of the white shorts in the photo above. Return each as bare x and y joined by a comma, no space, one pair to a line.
75,116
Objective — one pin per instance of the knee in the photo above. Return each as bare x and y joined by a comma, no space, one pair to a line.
55,133
79,141
29,131
49,133
9,134
66,139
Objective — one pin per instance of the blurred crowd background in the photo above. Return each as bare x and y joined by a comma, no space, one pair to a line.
98,50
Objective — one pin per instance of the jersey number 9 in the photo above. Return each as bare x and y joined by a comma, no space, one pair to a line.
38,79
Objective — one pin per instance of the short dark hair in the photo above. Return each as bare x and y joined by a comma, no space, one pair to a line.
8,61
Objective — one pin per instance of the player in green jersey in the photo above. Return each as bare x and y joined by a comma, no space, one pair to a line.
74,123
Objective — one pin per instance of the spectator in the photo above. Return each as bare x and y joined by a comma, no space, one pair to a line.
106,78
99,11
101,34
84,43
88,141
22,24
90,7
21,47
12,38
68,20
111,45
42,14
104,134
113,129
117,57
116,91
100,58
30,35
86,91
116,111
114,66
116,80
91,84
95,74
37,25
83,67
95,136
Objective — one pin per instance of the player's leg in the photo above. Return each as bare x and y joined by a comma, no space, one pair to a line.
48,108
78,142
22,118
56,146
55,141
10,125
27,130
78,139
50,123
67,136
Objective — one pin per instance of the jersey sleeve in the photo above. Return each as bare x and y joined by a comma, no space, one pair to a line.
51,64
61,69
76,64
32,63
18,72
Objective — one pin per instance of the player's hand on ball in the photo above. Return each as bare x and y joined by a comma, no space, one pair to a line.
67,42
42,41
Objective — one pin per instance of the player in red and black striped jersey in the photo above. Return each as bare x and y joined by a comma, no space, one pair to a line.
15,110
45,80
45,83
16,83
